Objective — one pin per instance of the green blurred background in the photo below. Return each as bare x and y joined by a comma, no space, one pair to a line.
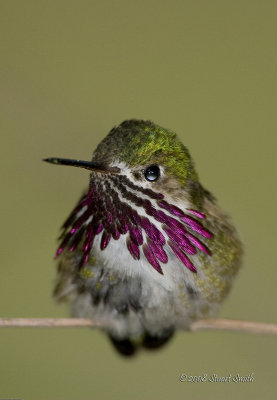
70,71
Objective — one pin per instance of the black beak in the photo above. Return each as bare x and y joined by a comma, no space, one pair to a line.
90,165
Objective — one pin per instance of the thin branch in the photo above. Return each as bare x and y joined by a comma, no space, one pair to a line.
234,325
212,324
46,322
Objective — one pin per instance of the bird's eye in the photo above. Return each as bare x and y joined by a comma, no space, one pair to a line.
152,173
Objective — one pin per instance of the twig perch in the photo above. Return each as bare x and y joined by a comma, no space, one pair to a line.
212,324
234,325
47,322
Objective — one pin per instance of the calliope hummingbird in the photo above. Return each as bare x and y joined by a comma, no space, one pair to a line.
146,250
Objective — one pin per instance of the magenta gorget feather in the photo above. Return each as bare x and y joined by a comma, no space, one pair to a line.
115,207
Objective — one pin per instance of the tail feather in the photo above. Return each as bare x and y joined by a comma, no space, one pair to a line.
151,342
128,348
125,347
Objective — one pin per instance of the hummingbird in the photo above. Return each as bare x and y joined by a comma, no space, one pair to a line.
147,250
